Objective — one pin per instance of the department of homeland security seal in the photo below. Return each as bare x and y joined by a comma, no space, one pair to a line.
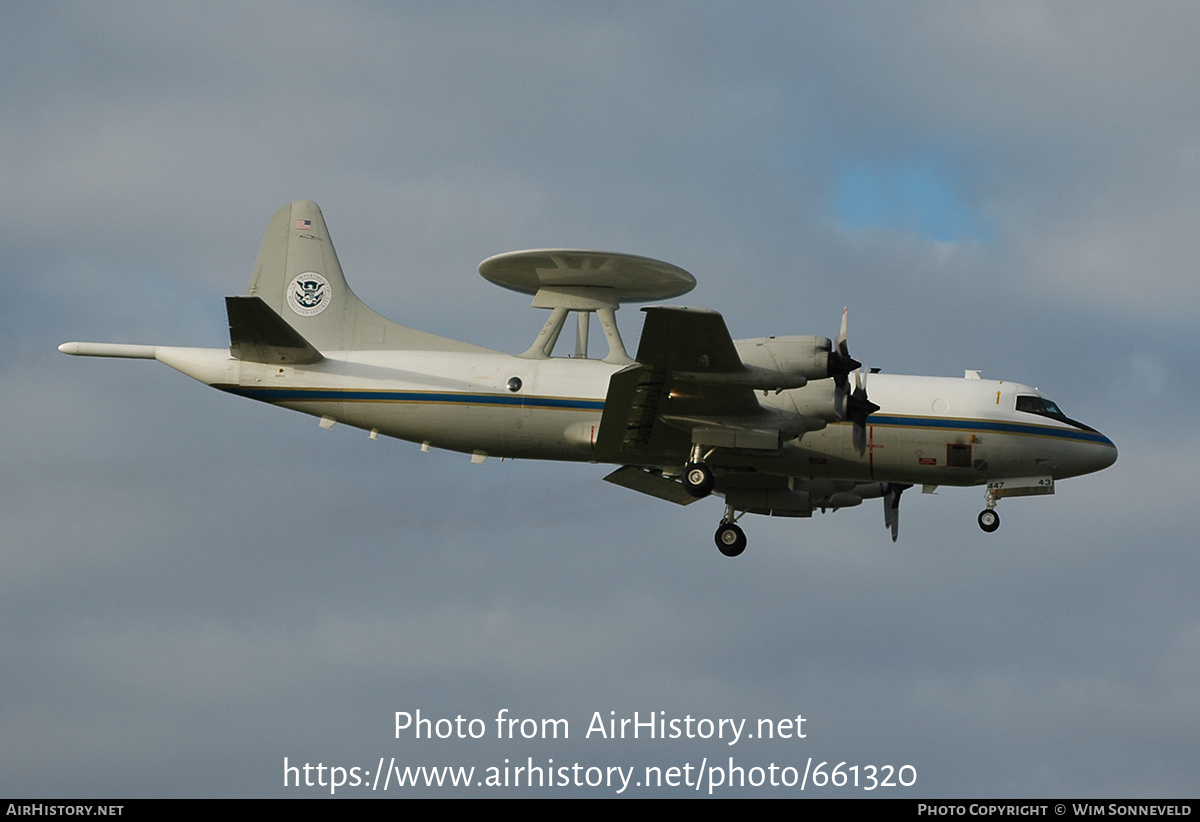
309,294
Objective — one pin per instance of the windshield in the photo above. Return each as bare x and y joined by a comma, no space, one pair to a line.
1033,404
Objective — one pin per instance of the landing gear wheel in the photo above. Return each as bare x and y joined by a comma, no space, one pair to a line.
730,539
698,479
989,520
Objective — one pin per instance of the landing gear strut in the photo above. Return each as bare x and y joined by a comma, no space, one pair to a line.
989,520
730,538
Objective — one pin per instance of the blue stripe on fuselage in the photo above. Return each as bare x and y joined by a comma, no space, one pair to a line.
437,397
579,404
959,424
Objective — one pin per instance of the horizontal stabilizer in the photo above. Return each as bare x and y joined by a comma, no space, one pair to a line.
654,484
258,334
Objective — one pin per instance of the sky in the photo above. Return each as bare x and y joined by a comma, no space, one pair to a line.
200,591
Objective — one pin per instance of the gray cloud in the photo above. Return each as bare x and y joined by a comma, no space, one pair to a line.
197,586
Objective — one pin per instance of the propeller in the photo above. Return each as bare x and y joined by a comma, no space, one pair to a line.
858,408
847,404
891,506
840,365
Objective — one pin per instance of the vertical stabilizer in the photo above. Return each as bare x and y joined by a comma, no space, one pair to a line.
298,275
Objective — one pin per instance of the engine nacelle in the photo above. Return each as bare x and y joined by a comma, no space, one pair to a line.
815,402
801,355
807,357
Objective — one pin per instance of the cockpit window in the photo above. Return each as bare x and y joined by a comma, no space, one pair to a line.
1038,405
1043,407
1031,405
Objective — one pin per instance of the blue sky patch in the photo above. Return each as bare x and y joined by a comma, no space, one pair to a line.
916,196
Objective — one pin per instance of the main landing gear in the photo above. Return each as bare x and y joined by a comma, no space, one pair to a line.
698,479
730,538
989,520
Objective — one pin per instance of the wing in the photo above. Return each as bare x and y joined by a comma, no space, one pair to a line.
688,387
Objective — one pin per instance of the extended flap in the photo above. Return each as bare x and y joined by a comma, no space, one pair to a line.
647,482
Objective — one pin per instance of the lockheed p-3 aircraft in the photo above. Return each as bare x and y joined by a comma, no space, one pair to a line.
780,426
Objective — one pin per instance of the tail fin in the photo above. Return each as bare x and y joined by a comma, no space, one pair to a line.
298,275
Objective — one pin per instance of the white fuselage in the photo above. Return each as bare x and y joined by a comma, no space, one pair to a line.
928,430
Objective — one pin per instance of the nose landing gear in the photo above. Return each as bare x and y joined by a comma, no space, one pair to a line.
989,520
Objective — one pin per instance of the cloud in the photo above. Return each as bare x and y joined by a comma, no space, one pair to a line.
198,586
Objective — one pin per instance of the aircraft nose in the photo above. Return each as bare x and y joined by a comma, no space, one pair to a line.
1091,452
1103,454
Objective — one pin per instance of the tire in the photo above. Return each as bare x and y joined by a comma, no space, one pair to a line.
989,520
730,539
698,479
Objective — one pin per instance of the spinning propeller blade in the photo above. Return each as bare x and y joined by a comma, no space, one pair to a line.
891,506
847,405
840,366
858,408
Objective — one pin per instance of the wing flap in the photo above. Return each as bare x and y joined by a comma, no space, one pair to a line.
646,482
631,425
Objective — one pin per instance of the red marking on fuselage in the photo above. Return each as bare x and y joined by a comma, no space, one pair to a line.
871,446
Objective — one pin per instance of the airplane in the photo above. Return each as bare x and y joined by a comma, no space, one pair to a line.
778,426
